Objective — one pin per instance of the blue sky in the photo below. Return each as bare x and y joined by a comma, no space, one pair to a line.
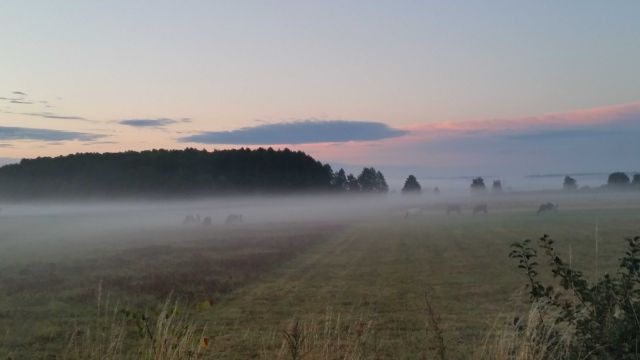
139,74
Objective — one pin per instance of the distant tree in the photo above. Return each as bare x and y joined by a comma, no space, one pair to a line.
371,180
436,190
570,184
618,179
496,188
381,182
352,184
477,185
339,181
411,185
636,180
327,169
367,179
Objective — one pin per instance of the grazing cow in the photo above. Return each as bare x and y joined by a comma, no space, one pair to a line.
233,219
206,221
454,209
189,220
547,207
195,220
412,212
480,208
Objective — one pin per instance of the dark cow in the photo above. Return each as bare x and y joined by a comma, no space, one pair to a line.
480,208
548,207
189,220
234,219
194,220
454,209
412,212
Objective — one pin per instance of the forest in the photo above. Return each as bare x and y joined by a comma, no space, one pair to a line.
188,172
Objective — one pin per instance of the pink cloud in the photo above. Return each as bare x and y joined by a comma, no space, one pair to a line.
580,117
447,136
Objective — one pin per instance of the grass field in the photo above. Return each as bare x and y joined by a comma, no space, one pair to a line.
349,284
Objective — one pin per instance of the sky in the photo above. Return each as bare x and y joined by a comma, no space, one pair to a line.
455,87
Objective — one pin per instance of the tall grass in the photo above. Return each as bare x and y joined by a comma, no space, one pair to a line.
115,334
170,335
102,339
536,336
333,336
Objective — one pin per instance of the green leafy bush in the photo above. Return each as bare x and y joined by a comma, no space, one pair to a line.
604,315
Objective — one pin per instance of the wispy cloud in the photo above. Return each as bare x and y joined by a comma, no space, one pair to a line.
21,98
21,133
152,123
576,119
299,132
563,134
100,143
48,115
19,101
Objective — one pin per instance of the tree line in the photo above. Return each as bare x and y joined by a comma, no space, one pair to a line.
178,173
617,181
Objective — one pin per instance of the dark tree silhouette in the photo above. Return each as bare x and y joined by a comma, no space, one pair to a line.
618,179
165,173
381,182
371,180
570,184
339,181
636,180
496,188
411,185
477,185
352,184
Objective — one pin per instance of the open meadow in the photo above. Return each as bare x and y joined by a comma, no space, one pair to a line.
400,279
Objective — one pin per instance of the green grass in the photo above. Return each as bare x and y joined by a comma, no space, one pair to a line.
376,271
382,269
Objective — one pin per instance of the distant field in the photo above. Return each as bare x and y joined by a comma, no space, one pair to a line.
381,270
373,272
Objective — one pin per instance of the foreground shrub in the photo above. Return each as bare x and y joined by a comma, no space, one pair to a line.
602,316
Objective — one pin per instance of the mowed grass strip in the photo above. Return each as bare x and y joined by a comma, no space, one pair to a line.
381,270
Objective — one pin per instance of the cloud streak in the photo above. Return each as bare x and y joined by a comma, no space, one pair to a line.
48,115
299,132
21,133
565,134
151,123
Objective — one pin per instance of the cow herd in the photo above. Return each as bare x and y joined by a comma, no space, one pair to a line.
197,220
481,208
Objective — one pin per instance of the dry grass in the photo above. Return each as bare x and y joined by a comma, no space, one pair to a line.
103,339
536,336
174,336
334,336
170,335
